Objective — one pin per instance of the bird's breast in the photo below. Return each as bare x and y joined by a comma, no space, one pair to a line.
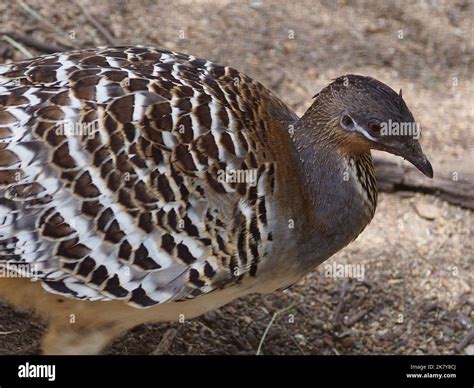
335,204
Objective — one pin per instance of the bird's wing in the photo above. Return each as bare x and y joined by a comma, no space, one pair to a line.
119,174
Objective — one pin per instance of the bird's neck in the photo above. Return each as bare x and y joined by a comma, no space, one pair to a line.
330,158
338,192
325,188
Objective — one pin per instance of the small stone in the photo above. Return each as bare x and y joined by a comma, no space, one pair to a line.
427,211
470,350
288,47
448,331
300,338
231,310
348,342
318,323
312,72
210,317
256,4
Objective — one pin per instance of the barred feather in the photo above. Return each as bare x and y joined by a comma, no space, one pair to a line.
110,173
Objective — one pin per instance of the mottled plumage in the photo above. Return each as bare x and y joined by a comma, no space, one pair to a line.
119,177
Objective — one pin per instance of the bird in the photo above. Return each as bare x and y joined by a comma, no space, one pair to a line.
139,184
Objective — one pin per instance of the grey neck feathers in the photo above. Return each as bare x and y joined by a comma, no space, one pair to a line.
339,208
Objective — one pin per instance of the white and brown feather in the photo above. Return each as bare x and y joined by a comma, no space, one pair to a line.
109,173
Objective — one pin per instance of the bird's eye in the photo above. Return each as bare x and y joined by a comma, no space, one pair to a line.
374,127
347,121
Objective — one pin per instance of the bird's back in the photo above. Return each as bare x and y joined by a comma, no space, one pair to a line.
135,173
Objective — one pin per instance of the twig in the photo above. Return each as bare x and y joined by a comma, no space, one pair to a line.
207,328
293,339
99,27
356,317
259,349
165,343
61,34
335,319
465,341
31,42
17,45
455,185
40,18
265,333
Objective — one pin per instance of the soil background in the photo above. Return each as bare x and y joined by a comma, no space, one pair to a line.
416,296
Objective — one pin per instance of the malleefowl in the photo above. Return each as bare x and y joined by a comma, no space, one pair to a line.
139,184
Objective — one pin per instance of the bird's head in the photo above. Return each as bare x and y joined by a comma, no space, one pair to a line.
363,113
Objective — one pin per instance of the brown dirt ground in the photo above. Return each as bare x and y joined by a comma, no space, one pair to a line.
417,294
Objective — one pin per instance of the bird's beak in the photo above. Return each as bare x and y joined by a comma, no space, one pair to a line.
411,151
421,162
